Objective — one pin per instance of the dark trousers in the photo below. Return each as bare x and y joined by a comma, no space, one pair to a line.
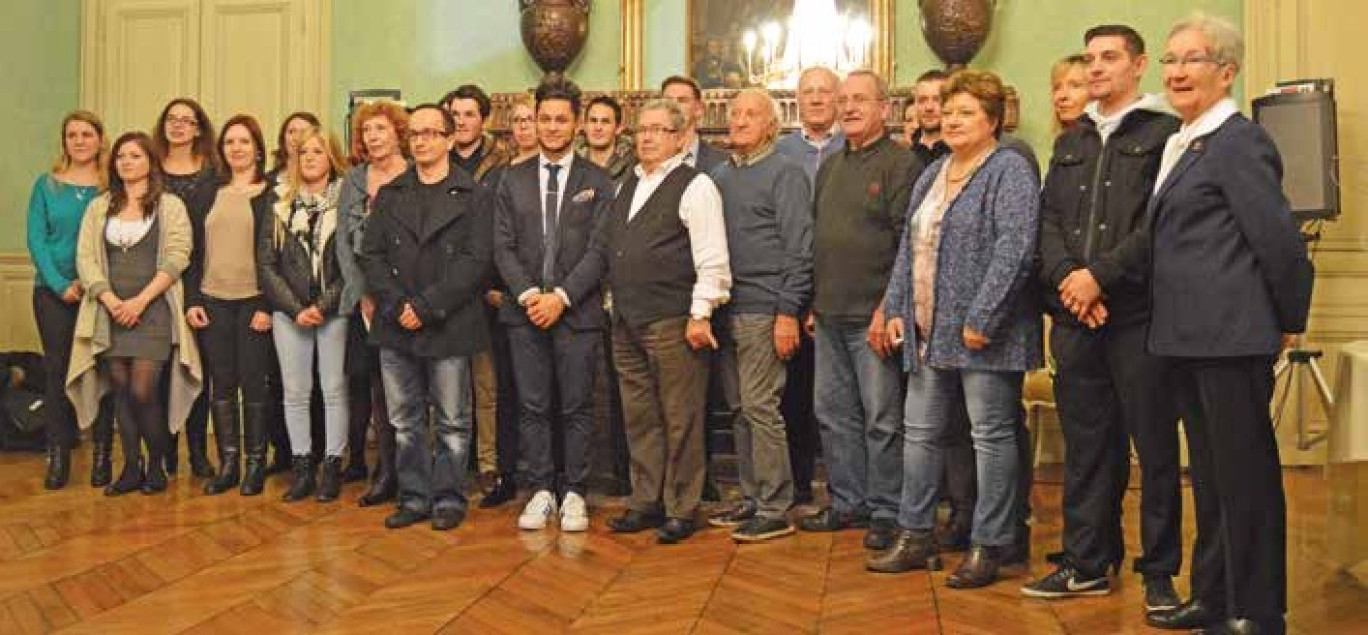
608,469
664,387
507,416
235,356
559,363
1109,391
1239,561
804,443
56,326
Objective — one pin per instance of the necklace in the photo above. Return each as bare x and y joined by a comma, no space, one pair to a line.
968,172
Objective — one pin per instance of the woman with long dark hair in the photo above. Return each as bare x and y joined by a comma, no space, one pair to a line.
185,150
227,308
298,269
134,243
291,132
379,133
56,207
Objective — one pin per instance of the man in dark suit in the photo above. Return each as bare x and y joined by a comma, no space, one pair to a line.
426,256
1231,282
548,212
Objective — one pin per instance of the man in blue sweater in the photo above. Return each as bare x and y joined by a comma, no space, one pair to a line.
766,204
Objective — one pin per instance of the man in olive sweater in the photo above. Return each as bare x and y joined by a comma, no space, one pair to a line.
860,205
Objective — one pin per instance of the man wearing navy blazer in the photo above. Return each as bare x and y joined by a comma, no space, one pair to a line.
1231,282
548,212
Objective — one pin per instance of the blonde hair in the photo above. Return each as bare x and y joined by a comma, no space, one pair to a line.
63,161
294,179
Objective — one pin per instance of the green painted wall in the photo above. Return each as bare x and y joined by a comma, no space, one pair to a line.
427,47
40,43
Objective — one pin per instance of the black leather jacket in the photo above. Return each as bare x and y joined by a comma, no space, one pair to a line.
285,268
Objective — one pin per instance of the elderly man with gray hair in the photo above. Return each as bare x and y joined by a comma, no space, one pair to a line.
666,249
766,202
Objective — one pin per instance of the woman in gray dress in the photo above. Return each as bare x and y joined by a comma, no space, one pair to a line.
134,243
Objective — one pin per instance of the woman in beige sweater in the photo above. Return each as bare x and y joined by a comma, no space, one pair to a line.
133,246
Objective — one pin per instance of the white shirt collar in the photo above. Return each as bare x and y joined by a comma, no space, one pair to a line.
665,168
564,162
1208,121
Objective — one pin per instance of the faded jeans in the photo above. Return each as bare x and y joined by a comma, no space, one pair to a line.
429,480
295,346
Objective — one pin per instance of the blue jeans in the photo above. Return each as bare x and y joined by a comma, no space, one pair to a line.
295,347
429,483
859,414
994,403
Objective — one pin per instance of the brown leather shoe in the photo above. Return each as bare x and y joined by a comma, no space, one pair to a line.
979,569
912,549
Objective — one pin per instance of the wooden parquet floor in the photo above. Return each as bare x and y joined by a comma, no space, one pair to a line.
74,561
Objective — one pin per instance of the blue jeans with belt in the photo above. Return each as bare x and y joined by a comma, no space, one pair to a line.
993,399
429,481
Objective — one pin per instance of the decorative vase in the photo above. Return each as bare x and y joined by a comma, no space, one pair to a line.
554,32
956,29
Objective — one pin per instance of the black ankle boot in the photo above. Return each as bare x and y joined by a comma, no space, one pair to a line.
197,449
224,414
130,480
254,435
384,485
304,479
155,482
171,462
979,569
101,447
58,467
330,480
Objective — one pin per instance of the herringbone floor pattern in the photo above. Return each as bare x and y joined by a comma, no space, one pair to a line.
74,561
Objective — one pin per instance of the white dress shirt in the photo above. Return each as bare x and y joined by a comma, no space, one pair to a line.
700,210
562,178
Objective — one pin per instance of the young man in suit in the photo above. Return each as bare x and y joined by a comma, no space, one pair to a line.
697,153
548,213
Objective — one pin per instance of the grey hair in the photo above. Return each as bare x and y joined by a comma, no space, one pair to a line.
677,119
768,99
1226,41
819,70
880,84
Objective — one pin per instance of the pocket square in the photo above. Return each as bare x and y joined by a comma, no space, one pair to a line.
584,196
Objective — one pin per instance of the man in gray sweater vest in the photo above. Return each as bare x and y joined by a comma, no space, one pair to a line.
765,201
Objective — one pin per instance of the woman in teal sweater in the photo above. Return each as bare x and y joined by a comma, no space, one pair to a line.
56,207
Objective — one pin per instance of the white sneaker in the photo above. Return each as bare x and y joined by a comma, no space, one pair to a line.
538,511
574,515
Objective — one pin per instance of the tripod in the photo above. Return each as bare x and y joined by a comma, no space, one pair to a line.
1291,371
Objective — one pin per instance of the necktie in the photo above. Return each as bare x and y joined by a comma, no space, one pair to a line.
550,215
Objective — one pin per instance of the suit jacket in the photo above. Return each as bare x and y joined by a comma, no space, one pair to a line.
1230,274
518,244
708,157
439,264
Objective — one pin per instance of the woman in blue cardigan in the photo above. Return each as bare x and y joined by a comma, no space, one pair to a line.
56,207
958,301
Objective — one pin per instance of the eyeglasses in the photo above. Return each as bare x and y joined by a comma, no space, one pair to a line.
1190,60
431,134
518,121
655,131
173,120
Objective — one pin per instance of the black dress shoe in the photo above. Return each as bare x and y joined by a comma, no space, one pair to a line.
1192,614
633,521
674,531
503,490
829,519
1248,627
403,517
447,519
979,569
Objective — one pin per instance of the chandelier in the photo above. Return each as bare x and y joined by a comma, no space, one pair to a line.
817,34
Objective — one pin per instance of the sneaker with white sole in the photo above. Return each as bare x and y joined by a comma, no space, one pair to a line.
574,514
1067,582
539,511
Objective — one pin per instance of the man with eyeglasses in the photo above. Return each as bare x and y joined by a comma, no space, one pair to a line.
426,256
666,246
496,418
1094,253
549,211
861,202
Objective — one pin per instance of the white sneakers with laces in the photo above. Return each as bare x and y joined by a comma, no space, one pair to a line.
538,511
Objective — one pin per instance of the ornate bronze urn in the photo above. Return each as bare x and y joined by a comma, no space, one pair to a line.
554,32
956,29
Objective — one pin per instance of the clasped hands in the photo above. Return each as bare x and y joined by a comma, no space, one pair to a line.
126,313
544,309
1082,296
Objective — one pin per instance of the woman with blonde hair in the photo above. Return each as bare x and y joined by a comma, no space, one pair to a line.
134,243
1068,91
379,136
522,122
299,273
56,206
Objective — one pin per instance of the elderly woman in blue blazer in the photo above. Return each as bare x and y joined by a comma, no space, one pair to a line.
1231,281
959,303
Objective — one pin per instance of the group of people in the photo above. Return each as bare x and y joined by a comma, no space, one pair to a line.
446,287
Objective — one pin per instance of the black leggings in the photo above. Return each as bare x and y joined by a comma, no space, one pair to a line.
235,356
142,419
56,324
